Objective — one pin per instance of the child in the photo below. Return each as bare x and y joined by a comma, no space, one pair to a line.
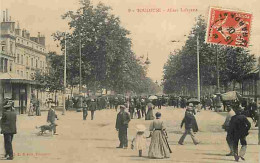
140,139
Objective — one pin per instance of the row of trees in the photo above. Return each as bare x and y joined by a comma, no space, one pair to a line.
181,68
108,61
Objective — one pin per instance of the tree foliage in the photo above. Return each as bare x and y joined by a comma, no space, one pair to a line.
181,68
108,61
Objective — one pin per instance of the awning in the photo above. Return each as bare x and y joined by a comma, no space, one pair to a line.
14,78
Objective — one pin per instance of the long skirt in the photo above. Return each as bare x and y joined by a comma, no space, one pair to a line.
158,147
149,114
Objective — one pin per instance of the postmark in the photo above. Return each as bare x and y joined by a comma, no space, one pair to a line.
228,27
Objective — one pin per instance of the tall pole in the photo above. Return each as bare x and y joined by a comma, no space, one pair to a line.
80,75
198,67
64,86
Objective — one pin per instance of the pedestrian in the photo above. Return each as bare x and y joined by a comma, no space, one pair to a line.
122,121
149,114
37,105
92,107
190,126
52,116
132,108
225,126
31,108
159,147
140,139
8,129
85,111
143,107
239,127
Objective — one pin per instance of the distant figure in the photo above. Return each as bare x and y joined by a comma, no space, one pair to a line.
8,128
149,114
51,118
122,120
140,140
92,106
239,127
85,111
189,121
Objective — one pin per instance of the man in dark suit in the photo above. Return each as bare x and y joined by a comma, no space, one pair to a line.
51,118
122,120
190,126
238,129
8,126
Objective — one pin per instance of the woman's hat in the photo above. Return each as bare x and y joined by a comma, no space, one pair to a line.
158,114
140,128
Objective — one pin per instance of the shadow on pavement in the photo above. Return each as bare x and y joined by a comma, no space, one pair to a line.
106,147
212,154
217,159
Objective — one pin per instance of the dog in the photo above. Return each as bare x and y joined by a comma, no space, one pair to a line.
44,128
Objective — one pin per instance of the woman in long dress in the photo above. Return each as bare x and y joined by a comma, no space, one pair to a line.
149,114
159,147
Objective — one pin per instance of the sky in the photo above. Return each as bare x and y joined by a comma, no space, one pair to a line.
151,32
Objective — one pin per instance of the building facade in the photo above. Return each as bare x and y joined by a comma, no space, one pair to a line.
20,57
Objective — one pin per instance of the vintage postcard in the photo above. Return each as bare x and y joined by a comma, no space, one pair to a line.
120,81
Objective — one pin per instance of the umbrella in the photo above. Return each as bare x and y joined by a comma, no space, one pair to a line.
230,96
153,98
193,100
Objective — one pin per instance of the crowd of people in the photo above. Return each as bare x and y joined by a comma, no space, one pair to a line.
136,107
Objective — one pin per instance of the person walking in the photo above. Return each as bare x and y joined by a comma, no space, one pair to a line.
149,114
159,147
92,107
239,127
131,108
225,126
52,117
122,120
190,126
8,129
85,111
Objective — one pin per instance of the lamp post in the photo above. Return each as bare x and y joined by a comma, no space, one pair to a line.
198,67
65,72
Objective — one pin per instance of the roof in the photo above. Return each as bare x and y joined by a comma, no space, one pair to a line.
14,78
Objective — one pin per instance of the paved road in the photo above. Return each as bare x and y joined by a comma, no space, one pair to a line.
95,141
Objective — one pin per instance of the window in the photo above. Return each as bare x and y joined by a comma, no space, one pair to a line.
27,60
21,59
31,62
18,58
27,75
36,63
11,48
11,66
18,72
21,73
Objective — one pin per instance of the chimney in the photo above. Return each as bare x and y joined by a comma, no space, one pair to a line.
42,40
23,32
3,16
27,34
7,15
18,30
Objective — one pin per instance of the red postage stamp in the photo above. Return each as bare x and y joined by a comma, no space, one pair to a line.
228,27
